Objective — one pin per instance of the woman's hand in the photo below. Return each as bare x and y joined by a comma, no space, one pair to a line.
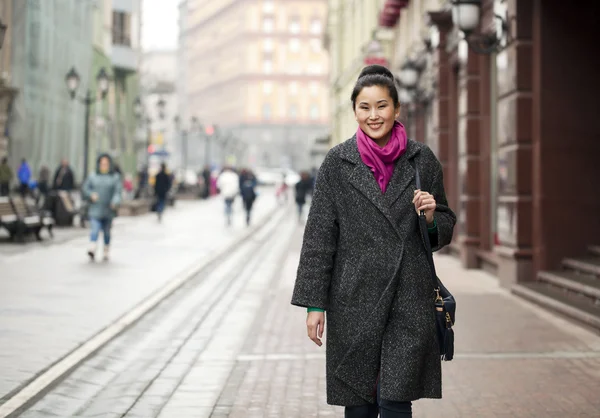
315,325
423,201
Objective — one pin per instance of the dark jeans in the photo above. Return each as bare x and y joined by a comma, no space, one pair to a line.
161,202
4,189
23,189
383,409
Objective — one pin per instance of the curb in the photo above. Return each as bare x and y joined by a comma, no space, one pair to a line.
30,392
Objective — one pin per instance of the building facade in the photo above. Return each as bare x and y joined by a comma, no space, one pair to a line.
117,50
510,111
257,69
47,39
159,86
354,39
7,91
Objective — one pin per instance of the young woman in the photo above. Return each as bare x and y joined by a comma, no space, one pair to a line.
103,190
363,260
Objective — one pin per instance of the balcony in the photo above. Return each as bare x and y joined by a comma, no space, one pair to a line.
123,56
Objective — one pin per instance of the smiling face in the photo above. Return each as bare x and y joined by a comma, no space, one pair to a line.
104,165
375,113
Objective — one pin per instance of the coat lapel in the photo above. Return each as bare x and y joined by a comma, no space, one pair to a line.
403,176
363,180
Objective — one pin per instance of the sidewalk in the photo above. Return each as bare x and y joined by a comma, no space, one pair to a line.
513,359
52,298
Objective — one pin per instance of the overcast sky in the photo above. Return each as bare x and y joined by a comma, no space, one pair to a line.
159,24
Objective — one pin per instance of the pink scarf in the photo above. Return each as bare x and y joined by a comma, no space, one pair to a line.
381,160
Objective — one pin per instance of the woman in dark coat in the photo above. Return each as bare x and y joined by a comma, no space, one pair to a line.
363,260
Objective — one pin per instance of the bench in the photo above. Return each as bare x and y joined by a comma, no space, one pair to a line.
32,220
134,207
9,219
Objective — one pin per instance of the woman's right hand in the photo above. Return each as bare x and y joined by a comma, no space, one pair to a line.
94,197
315,325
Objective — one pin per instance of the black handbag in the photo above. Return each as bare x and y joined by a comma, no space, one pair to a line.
445,304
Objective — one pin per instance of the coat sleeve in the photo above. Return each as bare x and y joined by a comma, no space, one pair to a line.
444,216
117,191
87,188
319,246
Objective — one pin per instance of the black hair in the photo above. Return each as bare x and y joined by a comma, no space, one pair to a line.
375,75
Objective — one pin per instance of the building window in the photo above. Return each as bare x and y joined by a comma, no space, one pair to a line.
314,88
314,112
315,45
293,112
314,68
267,87
294,68
295,25
268,25
267,66
294,44
268,6
268,45
316,26
294,88
121,29
266,111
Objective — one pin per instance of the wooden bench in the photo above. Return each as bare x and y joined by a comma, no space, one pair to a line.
9,219
31,218
134,207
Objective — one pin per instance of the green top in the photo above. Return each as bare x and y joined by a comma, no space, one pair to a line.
432,231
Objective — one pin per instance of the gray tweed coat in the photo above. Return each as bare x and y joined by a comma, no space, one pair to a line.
363,261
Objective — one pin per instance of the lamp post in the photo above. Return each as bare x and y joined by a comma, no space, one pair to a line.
73,81
209,130
466,16
3,28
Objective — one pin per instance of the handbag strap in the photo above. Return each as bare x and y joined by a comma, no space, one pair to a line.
425,234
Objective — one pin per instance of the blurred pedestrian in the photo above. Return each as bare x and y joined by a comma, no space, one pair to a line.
282,189
64,179
103,190
128,186
206,177
248,184
228,183
363,260
162,185
303,188
43,180
24,175
6,176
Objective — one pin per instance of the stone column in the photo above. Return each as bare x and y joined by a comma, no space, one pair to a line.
515,107
469,136
442,103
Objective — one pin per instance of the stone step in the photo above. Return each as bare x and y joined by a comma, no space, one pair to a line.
569,304
587,265
585,285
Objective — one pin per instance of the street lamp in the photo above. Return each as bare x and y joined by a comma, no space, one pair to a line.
73,80
409,75
161,104
3,28
466,15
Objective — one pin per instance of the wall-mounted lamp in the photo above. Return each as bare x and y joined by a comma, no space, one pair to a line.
466,15
409,74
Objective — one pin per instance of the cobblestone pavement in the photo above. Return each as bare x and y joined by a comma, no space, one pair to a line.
174,362
235,348
52,298
513,359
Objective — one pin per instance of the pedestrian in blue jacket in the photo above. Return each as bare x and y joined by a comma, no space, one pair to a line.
103,190
24,176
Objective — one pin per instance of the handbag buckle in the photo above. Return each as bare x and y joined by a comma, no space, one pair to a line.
448,320
439,301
